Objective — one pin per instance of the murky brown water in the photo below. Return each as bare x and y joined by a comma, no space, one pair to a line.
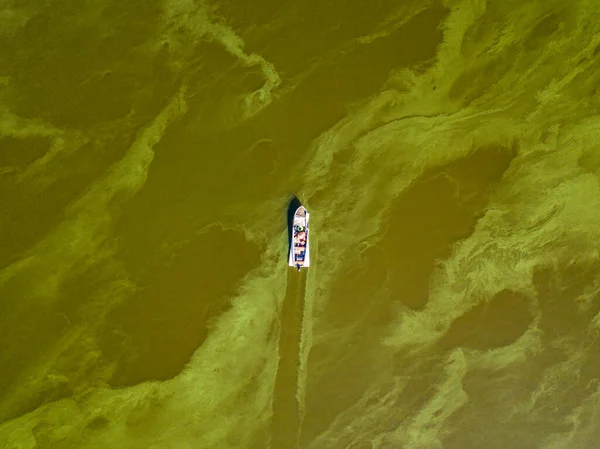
449,154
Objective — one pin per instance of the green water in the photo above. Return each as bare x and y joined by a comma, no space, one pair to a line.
449,155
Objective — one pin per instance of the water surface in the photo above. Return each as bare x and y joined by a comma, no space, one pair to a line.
449,154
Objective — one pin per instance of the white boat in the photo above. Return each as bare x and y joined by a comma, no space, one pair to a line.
299,249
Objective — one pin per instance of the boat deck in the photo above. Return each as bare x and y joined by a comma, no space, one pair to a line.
299,256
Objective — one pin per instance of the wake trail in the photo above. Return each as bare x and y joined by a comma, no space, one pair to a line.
287,417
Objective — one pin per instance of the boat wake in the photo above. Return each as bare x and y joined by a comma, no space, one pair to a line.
287,416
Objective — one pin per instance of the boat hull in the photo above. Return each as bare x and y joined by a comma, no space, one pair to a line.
299,255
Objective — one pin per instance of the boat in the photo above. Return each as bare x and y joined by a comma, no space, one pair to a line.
299,249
